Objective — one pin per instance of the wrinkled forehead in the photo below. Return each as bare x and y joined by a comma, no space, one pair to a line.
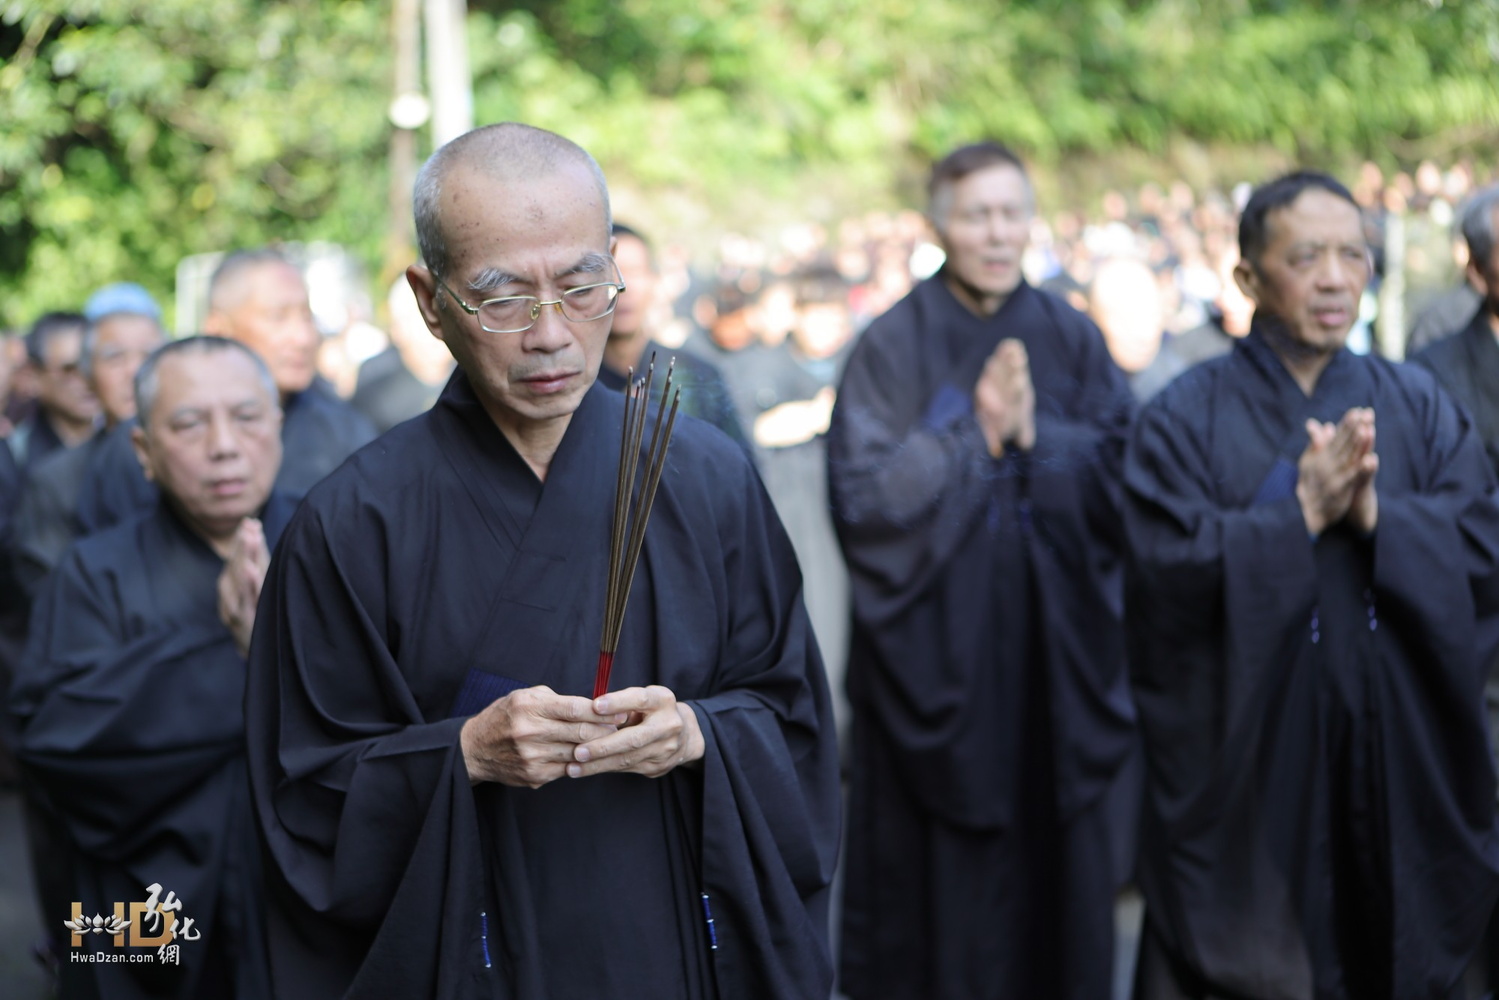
207,380
276,281
523,222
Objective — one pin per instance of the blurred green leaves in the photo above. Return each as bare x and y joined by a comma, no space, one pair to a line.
133,132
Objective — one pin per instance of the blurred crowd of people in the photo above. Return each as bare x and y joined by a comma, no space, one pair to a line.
763,335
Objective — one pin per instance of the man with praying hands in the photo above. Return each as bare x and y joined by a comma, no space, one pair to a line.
1312,613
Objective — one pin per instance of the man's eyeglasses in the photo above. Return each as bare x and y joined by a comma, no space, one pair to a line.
518,313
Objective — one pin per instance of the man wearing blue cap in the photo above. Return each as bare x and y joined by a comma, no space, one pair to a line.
124,326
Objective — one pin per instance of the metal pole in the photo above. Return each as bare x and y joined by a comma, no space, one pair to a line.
447,69
408,112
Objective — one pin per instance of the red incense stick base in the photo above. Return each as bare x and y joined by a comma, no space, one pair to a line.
601,679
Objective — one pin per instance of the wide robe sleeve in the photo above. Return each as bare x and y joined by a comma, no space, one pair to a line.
120,727
905,492
770,812
1436,586
365,808
1219,602
1208,583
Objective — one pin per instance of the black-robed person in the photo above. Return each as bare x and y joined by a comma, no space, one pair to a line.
974,457
130,697
705,395
446,810
1467,365
1311,617
66,412
124,327
406,378
258,298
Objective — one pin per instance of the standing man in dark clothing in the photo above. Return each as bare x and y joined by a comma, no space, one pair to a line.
259,299
406,378
66,412
704,393
974,458
791,440
1467,365
130,699
124,328
41,516
446,811
1311,618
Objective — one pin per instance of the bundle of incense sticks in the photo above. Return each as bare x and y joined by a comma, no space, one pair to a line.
632,505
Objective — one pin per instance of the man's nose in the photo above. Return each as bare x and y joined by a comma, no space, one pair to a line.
550,332
1335,273
222,441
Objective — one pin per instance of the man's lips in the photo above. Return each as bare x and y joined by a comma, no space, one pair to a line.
1331,316
547,382
227,487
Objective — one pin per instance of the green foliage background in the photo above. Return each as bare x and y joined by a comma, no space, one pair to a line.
134,132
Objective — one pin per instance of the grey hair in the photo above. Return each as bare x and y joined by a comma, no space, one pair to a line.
236,265
148,379
958,164
1478,225
508,147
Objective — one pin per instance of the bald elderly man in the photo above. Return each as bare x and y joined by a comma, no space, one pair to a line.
446,811
259,299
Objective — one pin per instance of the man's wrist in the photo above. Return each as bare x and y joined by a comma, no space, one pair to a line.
1310,513
694,745
470,760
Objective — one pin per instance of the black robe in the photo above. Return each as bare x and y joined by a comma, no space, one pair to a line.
130,707
1467,366
386,392
14,604
318,431
434,573
47,517
986,671
1443,316
35,439
1320,816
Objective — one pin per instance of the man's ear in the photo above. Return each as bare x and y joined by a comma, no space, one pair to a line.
216,324
424,286
142,448
1248,280
1476,280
